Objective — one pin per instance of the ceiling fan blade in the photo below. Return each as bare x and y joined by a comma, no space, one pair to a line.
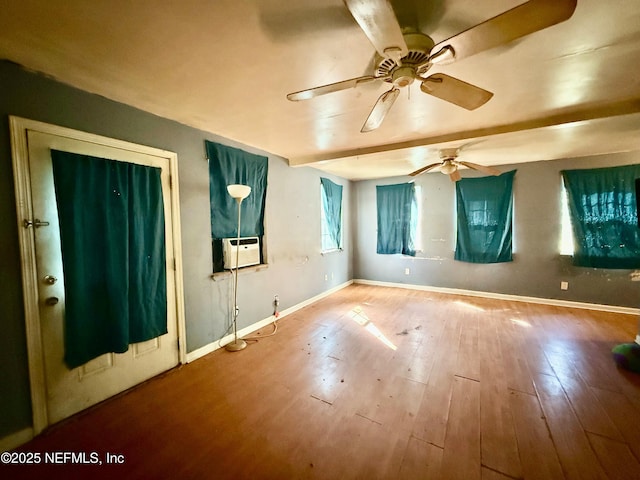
522,20
425,169
455,175
455,91
330,88
481,168
467,145
380,110
378,22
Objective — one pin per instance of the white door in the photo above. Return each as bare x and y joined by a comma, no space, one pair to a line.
69,391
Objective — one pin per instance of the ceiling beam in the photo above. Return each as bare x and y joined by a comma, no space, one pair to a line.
561,117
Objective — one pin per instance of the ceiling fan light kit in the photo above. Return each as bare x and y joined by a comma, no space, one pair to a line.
406,56
448,167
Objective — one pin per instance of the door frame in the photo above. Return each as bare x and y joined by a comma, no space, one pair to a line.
24,208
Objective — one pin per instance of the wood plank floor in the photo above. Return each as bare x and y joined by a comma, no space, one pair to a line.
380,383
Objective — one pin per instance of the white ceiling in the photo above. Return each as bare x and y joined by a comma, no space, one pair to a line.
225,66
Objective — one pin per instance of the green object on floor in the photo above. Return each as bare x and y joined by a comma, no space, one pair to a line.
627,356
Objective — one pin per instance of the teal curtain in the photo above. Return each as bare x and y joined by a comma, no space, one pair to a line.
396,228
113,253
604,217
484,211
332,207
228,166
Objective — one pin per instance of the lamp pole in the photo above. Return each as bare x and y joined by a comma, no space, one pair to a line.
239,192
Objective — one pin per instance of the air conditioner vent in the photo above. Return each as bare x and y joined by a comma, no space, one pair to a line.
248,254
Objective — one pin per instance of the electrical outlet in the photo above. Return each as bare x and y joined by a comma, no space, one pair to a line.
326,277
564,285
407,271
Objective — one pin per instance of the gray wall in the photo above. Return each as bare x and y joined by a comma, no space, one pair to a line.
296,269
537,269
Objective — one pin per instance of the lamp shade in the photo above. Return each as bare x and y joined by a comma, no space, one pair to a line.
239,192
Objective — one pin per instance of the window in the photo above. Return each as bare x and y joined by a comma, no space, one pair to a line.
416,218
604,216
331,215
396,223
485,211
232,166
566,236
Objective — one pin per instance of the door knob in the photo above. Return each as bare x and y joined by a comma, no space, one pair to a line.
51,301
50,279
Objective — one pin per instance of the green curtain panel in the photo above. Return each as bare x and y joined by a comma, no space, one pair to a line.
113,252
395,208
232,166
604,216
332,206
484,211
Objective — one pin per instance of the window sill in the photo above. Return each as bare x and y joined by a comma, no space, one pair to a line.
217,276
334,250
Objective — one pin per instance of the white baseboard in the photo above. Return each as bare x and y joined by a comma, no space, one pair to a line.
213,346
503,296
16,439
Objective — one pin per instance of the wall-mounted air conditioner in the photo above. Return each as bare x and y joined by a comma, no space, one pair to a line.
249,253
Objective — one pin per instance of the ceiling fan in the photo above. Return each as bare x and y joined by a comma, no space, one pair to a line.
449,164
403,57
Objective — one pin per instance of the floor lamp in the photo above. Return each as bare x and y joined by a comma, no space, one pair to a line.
239,192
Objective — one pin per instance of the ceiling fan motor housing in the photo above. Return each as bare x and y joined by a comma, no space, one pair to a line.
449,153
419,46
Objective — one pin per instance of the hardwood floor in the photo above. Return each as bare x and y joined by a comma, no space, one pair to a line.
380,383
